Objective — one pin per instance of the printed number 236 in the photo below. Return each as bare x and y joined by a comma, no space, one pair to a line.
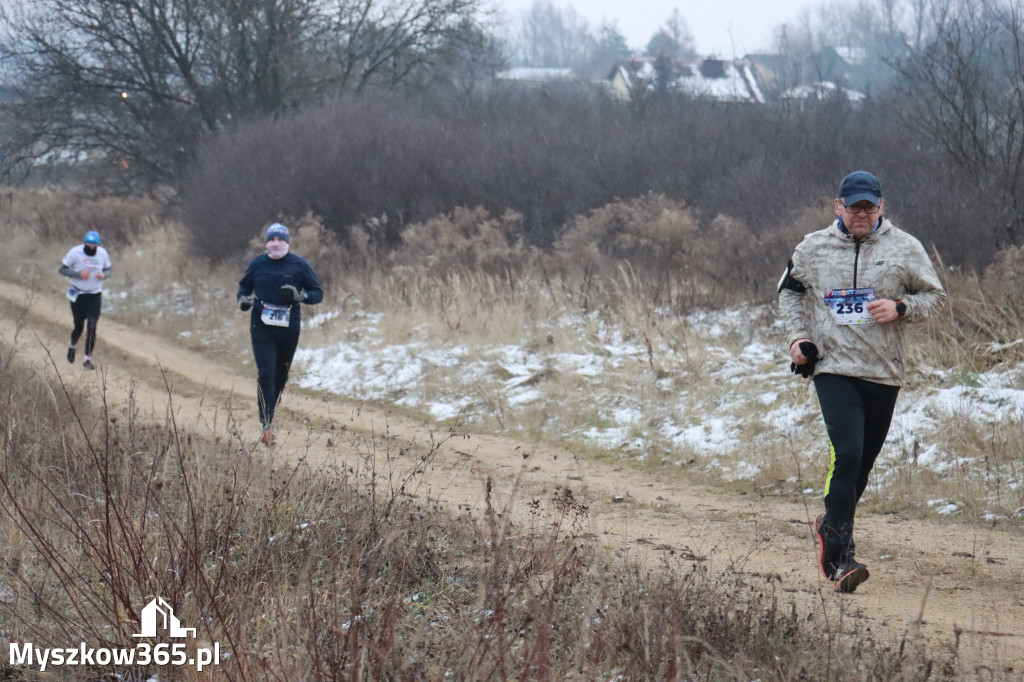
847,308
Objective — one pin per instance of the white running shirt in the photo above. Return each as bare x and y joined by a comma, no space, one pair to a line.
78,261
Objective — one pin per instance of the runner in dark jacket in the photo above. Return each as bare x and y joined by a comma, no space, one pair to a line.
273,286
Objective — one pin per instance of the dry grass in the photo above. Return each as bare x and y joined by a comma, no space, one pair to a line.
685,370
679,317
344,575
338,572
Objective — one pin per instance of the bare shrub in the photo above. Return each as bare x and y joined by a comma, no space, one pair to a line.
342,573
464,241
744,265
546,156
66,215
669,260
983,323
48,212
1001,282
553,157
655,238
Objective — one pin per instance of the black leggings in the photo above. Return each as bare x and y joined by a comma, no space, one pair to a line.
86,312
273,349
857,415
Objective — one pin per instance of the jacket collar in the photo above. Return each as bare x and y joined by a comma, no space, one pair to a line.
839,230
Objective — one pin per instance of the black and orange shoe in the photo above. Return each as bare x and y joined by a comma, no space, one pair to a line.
824,560
849,575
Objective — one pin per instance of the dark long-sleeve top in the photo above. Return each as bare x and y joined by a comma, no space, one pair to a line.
265,277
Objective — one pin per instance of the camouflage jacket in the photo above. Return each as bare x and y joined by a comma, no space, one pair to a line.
891,262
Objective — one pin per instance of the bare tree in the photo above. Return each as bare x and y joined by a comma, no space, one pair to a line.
964,91
140,82
386,42
673,39
470,56
552,37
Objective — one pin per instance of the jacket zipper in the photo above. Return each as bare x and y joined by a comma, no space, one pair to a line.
856,259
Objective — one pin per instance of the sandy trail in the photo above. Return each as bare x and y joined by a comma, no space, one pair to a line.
939,579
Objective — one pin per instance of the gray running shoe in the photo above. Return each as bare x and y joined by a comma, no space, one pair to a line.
849,575
88,364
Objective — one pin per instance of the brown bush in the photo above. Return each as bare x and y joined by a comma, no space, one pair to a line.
1001,281
465,241
56,214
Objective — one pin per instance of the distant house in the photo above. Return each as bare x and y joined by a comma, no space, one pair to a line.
855,68
724,80
821,90
853,71
770,71
540,78
536,75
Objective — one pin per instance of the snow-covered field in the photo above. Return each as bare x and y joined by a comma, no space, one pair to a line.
711,391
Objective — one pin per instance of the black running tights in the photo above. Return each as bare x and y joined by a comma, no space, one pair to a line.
273,349
857,415
86,313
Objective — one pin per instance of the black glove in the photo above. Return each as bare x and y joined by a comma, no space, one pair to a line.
290,290
810,352
245,303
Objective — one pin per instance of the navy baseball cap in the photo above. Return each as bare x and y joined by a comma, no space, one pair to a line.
860,186
92,237
278,230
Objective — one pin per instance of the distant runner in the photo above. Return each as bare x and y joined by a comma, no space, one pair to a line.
87,265
273,286
846,297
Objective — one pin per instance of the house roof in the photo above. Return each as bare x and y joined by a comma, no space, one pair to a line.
821,90
854,56
731,80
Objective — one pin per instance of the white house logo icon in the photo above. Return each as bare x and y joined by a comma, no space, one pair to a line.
159,610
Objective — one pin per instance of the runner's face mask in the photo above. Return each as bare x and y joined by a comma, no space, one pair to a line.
90,250
277,248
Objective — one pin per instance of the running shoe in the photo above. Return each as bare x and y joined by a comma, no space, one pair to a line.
849,574
71,353
88,364
268,437
824,561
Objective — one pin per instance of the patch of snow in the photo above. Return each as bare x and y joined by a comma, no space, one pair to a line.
608,374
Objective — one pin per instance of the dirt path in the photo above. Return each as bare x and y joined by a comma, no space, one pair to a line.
944,580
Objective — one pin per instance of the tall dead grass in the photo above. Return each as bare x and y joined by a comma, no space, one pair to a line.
650,272
342,571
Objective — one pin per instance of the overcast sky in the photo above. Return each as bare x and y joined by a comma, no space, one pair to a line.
723,28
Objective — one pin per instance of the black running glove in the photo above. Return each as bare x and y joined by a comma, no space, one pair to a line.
291,290
245,303
810,352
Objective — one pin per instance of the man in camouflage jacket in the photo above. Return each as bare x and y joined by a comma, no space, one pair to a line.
846,297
